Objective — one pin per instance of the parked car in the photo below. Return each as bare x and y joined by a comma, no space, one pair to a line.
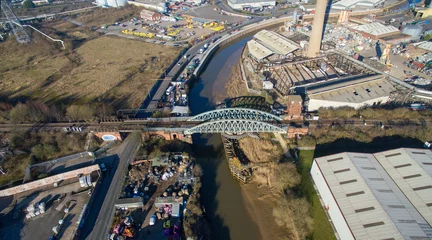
152,220
103,167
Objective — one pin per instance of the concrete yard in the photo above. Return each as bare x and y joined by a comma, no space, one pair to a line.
69,193
208,12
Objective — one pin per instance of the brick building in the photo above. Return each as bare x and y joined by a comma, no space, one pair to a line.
150,15
294,107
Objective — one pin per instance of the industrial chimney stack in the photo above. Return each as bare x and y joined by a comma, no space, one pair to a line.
317,29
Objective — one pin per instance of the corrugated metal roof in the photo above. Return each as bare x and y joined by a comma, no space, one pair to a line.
425,45
258,50
353,92
263,2
411,170
373,205
354,198
346,4
277,43
376,29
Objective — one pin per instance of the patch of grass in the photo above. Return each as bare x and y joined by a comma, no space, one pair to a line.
99,16
321,226
92,71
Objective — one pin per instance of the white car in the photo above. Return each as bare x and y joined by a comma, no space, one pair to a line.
152,220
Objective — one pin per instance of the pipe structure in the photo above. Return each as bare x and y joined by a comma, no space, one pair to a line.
317,29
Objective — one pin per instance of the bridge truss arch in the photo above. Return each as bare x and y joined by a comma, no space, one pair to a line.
235,113
234,126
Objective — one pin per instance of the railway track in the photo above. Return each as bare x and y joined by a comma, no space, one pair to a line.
149,124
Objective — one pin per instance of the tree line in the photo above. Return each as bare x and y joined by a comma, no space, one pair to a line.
33,111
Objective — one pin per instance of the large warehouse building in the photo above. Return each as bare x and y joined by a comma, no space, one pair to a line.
270,45
244,4
386,195
350,4
154,5
372,90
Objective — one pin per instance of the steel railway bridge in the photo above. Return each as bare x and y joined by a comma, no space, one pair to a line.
235,121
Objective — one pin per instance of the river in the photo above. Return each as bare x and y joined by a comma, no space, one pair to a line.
221,194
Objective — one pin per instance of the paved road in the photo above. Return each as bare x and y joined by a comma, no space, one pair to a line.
102,210
176,70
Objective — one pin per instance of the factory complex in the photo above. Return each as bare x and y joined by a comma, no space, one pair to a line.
251,4
385,195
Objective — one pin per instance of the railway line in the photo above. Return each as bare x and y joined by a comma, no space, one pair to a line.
129,125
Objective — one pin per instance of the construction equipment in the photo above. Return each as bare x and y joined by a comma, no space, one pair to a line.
189,23
385,57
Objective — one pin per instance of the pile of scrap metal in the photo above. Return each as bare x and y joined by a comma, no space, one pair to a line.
123,230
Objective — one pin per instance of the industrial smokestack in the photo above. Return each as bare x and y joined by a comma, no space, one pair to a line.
317,29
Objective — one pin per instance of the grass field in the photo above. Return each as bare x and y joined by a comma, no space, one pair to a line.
322,229
112,70
101,16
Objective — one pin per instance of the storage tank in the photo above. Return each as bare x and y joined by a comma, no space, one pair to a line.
414,31
116,3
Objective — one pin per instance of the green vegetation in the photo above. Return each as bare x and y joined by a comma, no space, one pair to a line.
352,135
33,112
373,113
29,4
30,147
321,226
195,224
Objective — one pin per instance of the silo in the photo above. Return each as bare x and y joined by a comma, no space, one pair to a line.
413,30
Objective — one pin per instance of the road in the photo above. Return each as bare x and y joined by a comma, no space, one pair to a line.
176,70
102,209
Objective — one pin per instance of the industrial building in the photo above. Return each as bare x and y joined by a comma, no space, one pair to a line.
356,93
386,195
244,4
154,5
111,3
376,30
271,46
350,4
423,12
150,15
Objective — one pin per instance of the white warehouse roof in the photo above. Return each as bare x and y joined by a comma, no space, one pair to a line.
381,196
263,2
258,50
376,29
424,45
277,43
349,4
352,91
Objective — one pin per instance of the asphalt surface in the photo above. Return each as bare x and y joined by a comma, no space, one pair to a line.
102,209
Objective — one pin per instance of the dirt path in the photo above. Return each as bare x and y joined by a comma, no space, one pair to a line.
283,145
259,203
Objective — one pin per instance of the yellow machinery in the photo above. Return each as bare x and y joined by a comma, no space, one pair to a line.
385,57
139,34
189,23
218,28
210,24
